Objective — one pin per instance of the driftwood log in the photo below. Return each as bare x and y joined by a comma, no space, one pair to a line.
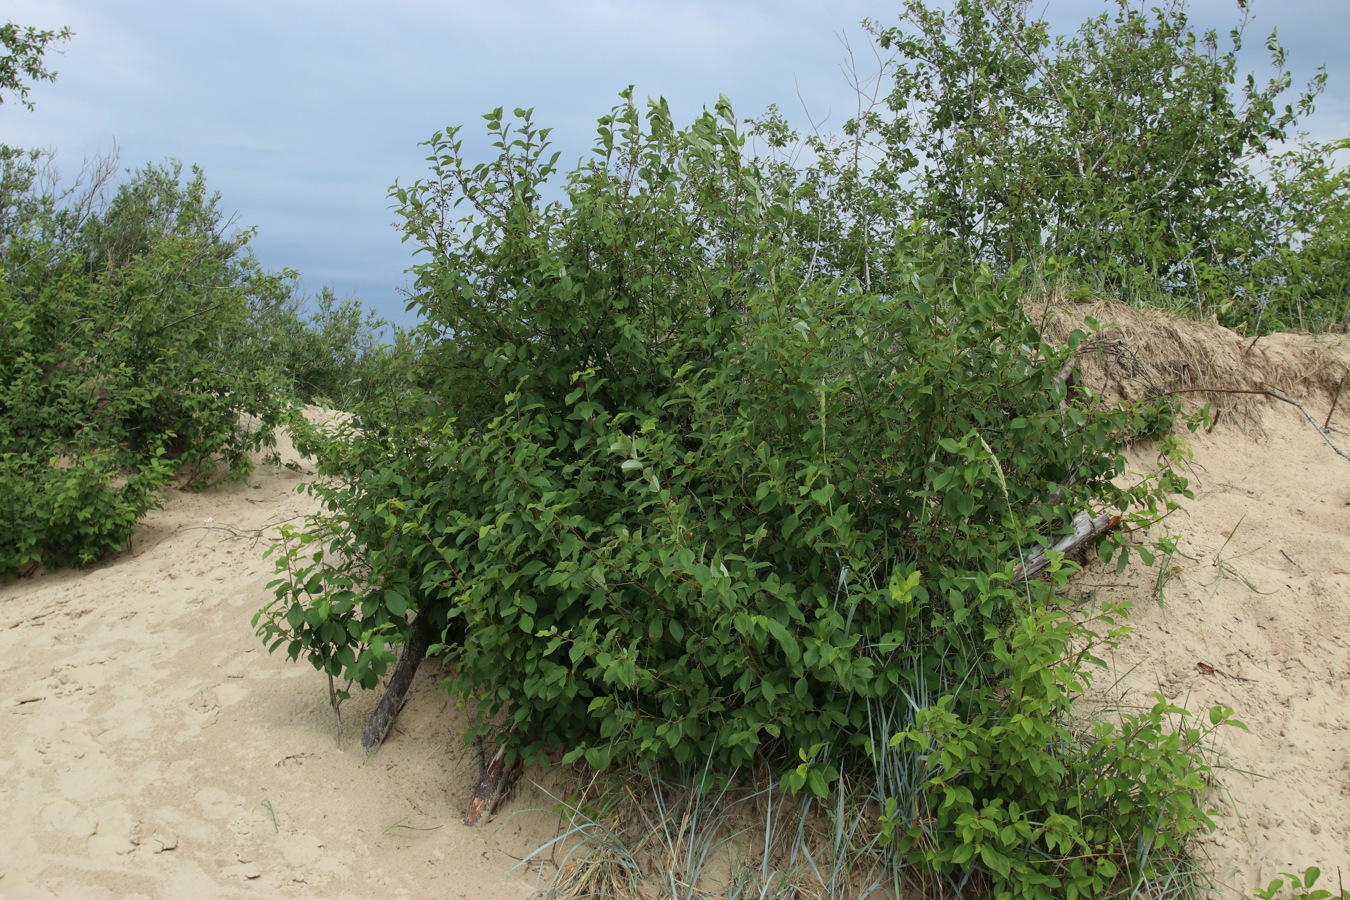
396,692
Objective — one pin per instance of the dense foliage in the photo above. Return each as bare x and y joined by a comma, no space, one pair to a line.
704,455
140,343
143,345
719,457
1132,157
116,357
688,494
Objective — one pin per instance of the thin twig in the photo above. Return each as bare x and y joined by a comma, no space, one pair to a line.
1266,392
1340,384
336,703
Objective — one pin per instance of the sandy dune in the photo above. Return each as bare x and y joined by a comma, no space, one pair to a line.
149,746
1253,612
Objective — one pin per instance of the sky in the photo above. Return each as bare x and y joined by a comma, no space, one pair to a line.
303,113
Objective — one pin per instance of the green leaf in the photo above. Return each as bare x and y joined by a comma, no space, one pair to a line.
395,602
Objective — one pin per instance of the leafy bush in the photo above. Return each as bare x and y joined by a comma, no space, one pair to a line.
333,352
136,337
1301,887
688,492
117,327
1310,274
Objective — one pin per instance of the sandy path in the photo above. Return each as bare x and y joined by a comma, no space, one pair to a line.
147,739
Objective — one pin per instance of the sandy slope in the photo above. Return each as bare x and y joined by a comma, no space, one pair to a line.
1256,616
1253,613
147,741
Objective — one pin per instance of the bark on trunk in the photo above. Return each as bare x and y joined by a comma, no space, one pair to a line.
396,692
493,783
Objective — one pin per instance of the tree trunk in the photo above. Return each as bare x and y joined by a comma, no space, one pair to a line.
414,651
493,783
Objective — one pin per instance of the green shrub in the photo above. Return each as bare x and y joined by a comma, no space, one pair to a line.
1301,887
1309,276
332,352
69,511
1130,155
1043,807
118,323
686,493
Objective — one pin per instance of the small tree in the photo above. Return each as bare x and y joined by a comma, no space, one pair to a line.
1130,151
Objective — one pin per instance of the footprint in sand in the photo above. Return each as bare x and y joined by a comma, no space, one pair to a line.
209,699
204,701
215,803
230,693
66,817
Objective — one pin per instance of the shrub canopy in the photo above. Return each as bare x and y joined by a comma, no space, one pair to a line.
719,457
685,495
118,363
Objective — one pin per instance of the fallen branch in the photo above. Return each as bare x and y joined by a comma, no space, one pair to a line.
1062,377
1085,527
1274,395
1334,400
396,692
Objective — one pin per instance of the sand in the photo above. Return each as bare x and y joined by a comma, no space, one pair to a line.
149,746
1254,614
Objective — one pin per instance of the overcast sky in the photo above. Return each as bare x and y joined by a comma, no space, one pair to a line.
304,112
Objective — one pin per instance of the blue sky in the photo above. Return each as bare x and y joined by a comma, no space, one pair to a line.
304,112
